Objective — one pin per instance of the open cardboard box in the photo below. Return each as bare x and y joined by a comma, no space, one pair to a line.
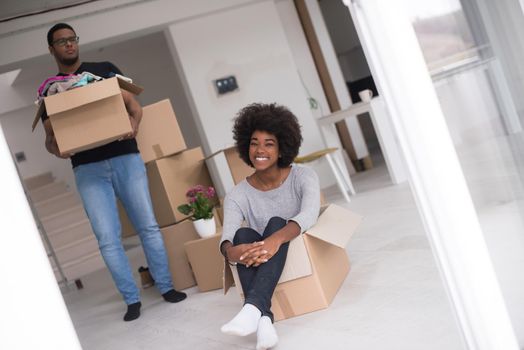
88,116
316,266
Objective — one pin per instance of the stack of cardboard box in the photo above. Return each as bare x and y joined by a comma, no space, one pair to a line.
171,169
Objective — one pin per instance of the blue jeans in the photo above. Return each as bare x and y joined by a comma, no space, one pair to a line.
125,177
258,283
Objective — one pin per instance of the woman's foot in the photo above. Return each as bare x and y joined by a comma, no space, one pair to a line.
244,323
266,334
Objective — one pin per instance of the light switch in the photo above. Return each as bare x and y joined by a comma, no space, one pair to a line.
226,84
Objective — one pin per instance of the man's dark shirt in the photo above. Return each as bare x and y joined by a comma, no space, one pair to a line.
110,150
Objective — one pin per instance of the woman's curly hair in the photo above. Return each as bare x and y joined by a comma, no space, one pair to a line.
273,119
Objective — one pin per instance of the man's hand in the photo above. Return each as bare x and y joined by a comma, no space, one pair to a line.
135,112
50,141
134,126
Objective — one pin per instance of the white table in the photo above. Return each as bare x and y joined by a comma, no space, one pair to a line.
383,128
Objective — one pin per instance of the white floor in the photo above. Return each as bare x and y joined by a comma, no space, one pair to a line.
393,297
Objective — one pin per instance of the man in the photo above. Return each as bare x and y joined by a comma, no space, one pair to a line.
110,171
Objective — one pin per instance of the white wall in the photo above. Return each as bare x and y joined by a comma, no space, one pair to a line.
17,130
248,42
148,61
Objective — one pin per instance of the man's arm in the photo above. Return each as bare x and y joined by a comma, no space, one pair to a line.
134,110
50,140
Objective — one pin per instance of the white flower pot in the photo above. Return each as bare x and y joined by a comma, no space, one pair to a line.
205,227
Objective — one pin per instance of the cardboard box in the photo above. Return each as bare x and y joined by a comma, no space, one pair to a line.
169,180
128,229
206,262
239,169
159,134
316,265
174,238
88,116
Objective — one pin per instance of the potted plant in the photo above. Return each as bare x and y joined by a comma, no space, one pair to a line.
200,209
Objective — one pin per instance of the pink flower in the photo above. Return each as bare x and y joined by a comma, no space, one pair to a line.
200,202
210,193
192,192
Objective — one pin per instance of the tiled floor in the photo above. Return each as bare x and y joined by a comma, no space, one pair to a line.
393,297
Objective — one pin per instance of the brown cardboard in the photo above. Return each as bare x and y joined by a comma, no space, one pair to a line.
174,238
239,169
327,256
159,134
206,262
169,180
88,116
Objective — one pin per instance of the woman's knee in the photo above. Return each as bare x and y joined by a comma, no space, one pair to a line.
274,224
245,235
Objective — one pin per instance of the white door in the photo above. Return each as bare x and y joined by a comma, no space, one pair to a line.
452,74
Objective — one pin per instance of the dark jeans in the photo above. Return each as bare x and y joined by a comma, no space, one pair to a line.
258,283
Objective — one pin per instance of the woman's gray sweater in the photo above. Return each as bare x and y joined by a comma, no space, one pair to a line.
297,199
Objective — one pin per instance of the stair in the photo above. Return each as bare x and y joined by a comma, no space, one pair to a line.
64,222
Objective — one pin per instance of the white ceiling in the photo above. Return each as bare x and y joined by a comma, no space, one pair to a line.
14,8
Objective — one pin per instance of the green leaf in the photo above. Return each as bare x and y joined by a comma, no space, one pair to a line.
185,209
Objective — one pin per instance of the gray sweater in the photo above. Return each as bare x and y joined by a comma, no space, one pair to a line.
297,199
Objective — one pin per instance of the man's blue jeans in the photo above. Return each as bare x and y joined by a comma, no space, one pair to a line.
125,177
259,283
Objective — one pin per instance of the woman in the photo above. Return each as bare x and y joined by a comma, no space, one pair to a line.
278,202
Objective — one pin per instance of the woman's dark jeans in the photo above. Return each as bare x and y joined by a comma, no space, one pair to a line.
258,283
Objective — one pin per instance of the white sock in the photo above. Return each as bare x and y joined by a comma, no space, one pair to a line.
244,323
266,334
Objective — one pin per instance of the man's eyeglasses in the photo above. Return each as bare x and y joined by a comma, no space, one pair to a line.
64,41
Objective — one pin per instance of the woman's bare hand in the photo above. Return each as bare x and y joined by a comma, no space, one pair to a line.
245,253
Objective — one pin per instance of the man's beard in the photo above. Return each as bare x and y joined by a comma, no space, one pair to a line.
69,61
